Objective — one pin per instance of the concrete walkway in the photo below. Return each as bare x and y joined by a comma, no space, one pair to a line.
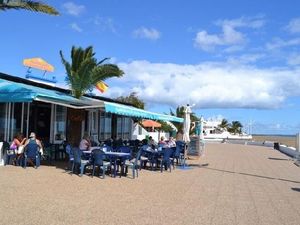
234,184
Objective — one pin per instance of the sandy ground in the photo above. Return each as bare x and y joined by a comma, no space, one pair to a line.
289,141
231,184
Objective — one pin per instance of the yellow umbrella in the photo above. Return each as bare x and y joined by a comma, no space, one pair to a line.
38,63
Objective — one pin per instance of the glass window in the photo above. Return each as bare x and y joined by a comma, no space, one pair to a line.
60,123
119,127
105,126
16,119
127,128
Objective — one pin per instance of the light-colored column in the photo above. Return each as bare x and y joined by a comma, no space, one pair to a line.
1,156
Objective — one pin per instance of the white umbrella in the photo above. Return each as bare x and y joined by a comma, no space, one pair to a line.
187,123
201,136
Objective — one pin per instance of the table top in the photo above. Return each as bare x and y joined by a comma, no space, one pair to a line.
107,153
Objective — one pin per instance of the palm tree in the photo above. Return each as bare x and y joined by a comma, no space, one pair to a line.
84,72
224,124
180,113
35,6
236,127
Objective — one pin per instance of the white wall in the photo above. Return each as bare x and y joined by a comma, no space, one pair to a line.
155,135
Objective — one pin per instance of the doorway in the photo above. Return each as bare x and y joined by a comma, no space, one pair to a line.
39,121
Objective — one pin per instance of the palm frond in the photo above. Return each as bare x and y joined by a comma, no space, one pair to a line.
106,71
35,6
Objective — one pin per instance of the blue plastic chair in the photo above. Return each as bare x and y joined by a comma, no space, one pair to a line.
166,159
124,149
144,156
180,145
133,164
70,154
32,153
78,162
98,157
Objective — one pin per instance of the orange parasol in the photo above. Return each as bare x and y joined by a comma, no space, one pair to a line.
150,123
38,63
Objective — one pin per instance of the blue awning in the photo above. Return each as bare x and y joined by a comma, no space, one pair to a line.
19,92
140,113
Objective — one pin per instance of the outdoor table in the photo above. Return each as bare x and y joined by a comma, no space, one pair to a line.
113,156
153,155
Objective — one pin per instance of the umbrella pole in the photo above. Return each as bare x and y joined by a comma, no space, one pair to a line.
185,155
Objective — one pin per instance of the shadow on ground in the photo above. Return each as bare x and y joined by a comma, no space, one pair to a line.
296,189
249,174
278,159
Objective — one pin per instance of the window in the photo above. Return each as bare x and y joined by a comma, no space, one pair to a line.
127,128
119,128
124,126
16,119
105,126
60,123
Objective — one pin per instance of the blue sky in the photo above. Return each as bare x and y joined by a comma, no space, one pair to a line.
234,59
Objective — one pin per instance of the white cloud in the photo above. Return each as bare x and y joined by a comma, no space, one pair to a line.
75,27
245,58
208,85
229,35
73,9
148,33
105,24
294,59
294,25
278,43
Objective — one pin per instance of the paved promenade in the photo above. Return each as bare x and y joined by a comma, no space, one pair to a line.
234,184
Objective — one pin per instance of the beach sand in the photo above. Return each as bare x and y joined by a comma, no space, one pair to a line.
232,184
289,141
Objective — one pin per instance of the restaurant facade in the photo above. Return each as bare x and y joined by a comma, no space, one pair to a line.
56,116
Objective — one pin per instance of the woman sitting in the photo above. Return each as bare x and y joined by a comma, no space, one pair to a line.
85,142
18,146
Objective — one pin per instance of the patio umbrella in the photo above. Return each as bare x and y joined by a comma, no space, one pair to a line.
201,136
187,123
151,123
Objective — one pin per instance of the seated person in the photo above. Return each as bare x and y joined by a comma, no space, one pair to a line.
18,145
171,142
162,143
152,143
85,142
32,139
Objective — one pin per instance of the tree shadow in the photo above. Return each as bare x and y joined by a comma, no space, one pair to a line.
252,175
197,165
278,159
296,189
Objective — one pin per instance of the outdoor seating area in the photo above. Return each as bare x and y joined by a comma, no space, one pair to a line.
119,159
114,158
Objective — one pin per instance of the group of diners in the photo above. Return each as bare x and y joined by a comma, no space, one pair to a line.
22,151
118,159
113,155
